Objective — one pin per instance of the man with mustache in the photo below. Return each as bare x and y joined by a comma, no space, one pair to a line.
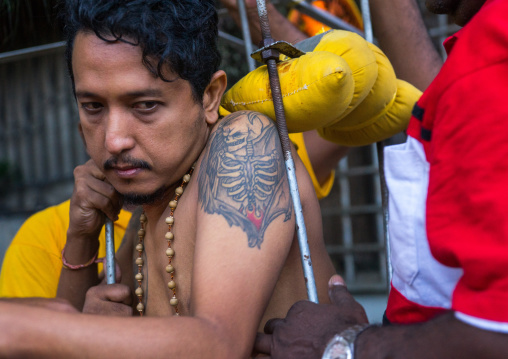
215,254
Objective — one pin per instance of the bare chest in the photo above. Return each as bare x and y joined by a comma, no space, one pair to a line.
168,257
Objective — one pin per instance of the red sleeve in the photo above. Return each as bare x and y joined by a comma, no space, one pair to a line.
467,204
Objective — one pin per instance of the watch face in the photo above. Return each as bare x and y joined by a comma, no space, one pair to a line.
337,349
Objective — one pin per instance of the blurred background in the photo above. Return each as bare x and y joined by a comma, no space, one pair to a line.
40,144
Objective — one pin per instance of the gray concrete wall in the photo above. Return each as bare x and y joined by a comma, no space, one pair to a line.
9,225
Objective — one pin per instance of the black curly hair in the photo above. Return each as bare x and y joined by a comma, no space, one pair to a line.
181,34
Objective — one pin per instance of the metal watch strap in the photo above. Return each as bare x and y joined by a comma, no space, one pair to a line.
347,335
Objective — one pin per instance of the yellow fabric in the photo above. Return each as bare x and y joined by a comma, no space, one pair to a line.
33,261
378,115
365,104
358,55
297,138
322,191
305,93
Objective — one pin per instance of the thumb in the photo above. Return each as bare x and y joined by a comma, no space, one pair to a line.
336,288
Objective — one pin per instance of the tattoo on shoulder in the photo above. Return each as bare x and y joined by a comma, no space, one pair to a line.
242,176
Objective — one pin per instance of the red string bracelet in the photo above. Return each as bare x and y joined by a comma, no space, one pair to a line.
67,265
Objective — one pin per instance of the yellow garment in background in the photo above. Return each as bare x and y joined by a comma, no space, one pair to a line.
321,191
33,261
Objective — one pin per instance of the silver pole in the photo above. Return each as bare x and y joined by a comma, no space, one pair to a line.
246,33
367,22
269,58
369,36
110,253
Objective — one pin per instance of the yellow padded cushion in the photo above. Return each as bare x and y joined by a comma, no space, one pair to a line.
306,83
354,101
357,54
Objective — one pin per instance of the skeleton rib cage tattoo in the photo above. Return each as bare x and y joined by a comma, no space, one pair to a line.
242,176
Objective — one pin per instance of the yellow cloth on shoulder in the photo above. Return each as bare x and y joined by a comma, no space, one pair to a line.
33,261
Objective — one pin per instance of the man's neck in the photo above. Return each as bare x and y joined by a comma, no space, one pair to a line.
154,210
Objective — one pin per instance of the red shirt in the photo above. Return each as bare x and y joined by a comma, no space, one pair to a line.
461,124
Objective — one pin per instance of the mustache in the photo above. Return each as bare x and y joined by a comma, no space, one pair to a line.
133,162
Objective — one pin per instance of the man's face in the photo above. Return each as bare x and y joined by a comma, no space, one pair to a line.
461,10
144,133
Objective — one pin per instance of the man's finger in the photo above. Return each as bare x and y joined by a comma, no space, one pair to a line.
337,290
272,324
263,343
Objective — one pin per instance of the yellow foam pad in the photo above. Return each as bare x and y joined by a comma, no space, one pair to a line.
389,122
307,84
343,86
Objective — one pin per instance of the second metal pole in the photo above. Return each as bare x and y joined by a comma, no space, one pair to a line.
110,267
288,158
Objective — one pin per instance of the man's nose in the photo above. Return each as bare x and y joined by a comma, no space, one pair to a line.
119,132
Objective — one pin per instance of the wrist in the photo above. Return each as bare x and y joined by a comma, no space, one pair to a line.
342,345
80,247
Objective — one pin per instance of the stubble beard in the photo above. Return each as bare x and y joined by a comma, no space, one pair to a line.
138,199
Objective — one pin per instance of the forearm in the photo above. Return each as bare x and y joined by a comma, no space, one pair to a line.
74,284
443,337
42,333
403,37
323,155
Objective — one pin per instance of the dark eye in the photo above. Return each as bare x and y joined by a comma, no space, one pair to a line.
146,105
92,107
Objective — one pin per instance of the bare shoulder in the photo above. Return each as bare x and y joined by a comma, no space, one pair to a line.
242,176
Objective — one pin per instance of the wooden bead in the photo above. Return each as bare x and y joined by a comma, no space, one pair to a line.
170,268
170,220
172,204
170,252
139,261
142,218
173,301
139,291
140,307
179,191
186,178
169,236
139,247
171,284
141,233
139,276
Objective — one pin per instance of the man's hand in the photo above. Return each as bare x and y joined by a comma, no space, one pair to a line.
93,198
308,327
111,299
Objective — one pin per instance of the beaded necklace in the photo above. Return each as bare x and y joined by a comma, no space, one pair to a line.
170,252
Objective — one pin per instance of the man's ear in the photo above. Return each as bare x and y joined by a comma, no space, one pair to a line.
213,95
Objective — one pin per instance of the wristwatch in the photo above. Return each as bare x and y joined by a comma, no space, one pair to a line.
342,345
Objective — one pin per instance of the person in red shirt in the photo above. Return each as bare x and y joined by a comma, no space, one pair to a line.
448,230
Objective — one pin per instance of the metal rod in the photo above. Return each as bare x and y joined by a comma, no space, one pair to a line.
28,52
286,149
246,33
324,17
367,22
110,252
